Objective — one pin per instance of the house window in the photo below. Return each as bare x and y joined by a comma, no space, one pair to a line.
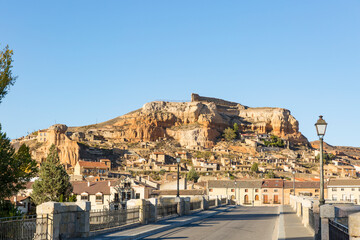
128,196
344,197
334,189
342,189
256,190
353,189
232,190
256,197
275,190
316,190
99,198
116,197
84,197
246,190
210,189
265,190
334,197
137,196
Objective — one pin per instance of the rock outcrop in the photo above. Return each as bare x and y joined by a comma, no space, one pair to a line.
200,122
196,123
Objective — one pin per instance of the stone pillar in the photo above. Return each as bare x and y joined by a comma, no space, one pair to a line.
180,206
63,220
187,206
204,203
153,209
306,205
142,211
298,209
354,226
326,211
217,202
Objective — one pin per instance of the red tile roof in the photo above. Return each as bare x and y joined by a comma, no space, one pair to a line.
273,183
88,164
95,187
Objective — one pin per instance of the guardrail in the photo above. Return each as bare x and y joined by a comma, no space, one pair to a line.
338,231
112,218
24,228
166,210
195,205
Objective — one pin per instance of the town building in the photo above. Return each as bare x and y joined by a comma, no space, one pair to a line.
344,190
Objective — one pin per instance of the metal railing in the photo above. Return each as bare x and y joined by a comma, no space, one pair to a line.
113,218
166,210
338,231
195,205
24,228
212,203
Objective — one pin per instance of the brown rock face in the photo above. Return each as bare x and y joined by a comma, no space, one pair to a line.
196,123
68,149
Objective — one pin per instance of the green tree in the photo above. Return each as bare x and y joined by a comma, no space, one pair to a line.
274,142
53,183
6,77
270,174
16,168
254,167
236,129
192,175
327,157
162,172
229,134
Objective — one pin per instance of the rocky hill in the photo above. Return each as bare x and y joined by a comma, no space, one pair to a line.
197,123
200,122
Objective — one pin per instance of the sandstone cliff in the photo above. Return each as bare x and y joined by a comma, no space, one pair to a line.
196,123
200,122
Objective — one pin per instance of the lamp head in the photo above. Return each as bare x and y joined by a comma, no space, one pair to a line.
178,160
321,127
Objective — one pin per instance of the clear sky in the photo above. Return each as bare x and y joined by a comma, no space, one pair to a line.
82,62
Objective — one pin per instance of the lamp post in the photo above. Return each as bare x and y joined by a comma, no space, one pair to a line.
178,177
321,129
294,182
235,193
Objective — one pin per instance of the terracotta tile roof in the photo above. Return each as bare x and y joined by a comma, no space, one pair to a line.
273,183
182,192
314,184
231,184
95,187
88,164
159,153
344,182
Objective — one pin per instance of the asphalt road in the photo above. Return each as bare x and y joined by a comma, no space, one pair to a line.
239,223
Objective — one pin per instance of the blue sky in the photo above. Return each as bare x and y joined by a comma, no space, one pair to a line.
82,62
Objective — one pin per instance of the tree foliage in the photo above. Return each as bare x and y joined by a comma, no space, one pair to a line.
6,77
270,174
229,134
192,175
254,167
327,157
16,168
53,183
274,142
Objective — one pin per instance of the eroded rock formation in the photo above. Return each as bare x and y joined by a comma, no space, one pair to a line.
196,123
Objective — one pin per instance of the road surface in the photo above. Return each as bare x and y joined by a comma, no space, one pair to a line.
243,223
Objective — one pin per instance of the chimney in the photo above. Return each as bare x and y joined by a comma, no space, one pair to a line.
109,183
88,183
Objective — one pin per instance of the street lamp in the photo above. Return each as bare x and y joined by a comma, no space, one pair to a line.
294,182
321,129
178,177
